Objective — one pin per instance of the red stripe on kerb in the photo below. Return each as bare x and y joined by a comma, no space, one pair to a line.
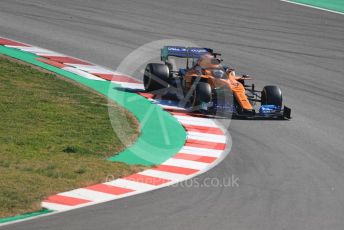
146,179
175,169
50,62
66,60
192,157
119,78
203,129
104,76
114,190
205,144
66,200
147,95
4,41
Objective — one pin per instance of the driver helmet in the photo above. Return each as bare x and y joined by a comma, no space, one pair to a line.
208,61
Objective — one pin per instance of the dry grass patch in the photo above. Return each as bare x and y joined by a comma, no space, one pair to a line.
54,136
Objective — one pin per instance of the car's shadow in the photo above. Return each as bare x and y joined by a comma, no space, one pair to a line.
171,99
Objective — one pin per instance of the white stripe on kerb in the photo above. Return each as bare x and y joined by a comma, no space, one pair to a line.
87,194
54,206
201,151
41,51
185,164
207,137
82,73
131,185
162,174
16,47
195,121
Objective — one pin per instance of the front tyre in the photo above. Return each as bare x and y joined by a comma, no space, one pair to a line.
271,95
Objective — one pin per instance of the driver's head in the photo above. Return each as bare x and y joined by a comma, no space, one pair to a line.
208,61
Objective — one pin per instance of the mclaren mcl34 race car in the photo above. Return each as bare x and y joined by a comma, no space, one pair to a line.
205,85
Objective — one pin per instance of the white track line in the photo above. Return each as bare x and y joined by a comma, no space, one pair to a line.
314,7
36,50
92,69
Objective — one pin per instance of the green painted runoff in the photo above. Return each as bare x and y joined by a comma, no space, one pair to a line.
161,135
334,5
24,216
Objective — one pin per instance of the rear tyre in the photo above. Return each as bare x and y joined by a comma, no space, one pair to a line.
156,77
271,95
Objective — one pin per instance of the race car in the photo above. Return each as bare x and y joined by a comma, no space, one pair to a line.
206,85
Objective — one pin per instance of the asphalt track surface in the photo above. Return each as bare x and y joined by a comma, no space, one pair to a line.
291,173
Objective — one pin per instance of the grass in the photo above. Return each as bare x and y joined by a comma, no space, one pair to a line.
54,136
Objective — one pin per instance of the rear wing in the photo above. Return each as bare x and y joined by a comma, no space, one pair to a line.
183,52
